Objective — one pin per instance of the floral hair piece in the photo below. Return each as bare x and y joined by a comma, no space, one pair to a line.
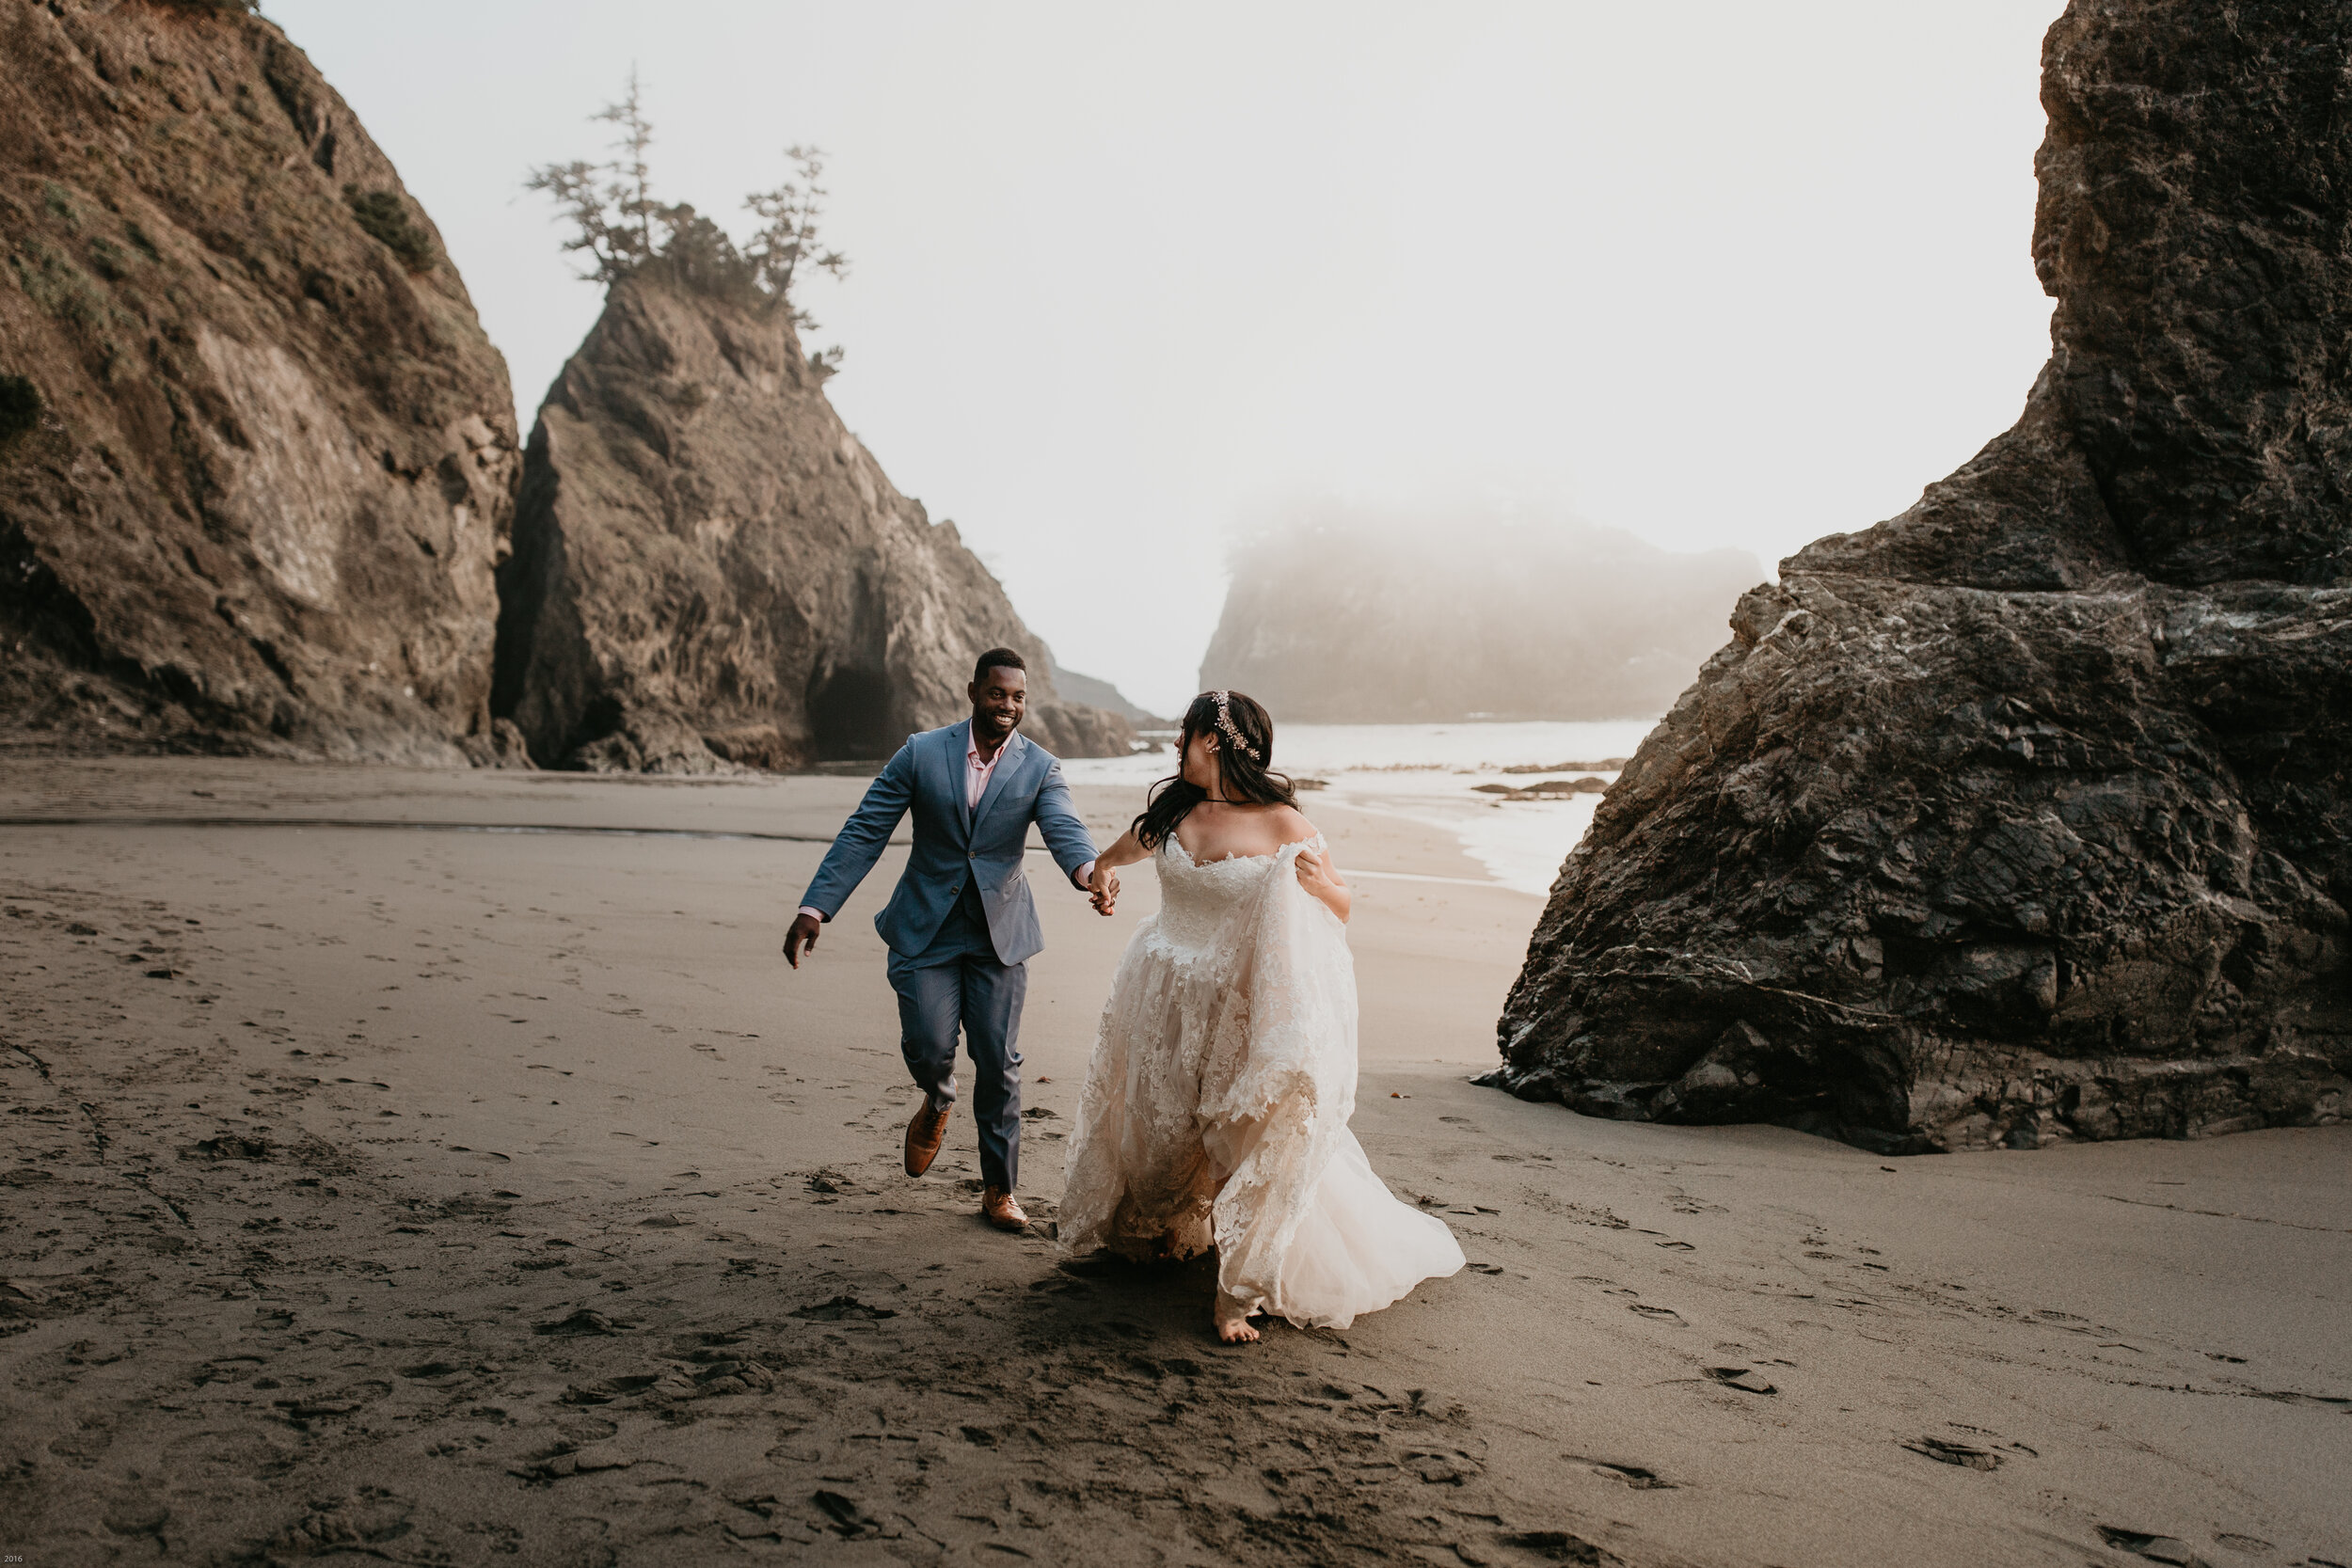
1232,733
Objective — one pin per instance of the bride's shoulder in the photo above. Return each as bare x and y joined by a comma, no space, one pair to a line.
1293,825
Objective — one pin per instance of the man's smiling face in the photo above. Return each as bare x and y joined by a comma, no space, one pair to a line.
999,701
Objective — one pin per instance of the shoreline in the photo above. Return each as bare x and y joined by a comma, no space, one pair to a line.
499,1196
1446,776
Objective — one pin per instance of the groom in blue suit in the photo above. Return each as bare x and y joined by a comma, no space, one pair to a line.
961,925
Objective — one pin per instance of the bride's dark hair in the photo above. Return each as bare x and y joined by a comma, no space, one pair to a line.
1247,777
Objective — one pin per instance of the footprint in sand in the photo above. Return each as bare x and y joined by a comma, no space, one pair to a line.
1657,1314
1747,1382
841,1307
1967,1455
1636,1477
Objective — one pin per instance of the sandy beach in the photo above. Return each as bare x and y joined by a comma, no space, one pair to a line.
445,1169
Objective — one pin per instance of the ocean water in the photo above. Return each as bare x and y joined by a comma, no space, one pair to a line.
1428,773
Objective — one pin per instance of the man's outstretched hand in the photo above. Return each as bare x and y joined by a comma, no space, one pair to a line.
803,934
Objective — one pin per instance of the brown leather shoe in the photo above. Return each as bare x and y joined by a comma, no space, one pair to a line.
998,1208
925,1133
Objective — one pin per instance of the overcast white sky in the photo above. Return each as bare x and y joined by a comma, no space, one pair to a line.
1128,277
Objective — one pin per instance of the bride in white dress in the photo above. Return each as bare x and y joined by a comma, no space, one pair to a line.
1217,1104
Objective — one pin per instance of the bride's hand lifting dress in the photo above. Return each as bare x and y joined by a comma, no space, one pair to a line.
1217,1104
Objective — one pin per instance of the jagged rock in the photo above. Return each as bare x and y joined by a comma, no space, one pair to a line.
711,572
1094,691
273,469
1362,618
2024,817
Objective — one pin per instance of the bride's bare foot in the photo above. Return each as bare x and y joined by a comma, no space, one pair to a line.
1233,1321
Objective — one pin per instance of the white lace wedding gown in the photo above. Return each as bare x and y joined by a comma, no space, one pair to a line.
1217,1104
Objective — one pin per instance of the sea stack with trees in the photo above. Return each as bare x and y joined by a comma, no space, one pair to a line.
709,569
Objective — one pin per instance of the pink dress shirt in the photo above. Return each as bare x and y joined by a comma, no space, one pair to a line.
977,774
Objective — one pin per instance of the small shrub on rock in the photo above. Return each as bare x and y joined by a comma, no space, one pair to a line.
386,218
620,225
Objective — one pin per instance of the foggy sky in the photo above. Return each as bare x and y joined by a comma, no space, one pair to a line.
1130,278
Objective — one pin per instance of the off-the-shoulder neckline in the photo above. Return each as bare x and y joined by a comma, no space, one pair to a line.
1176,843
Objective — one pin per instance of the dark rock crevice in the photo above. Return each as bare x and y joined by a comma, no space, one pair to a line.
853,710
2025,815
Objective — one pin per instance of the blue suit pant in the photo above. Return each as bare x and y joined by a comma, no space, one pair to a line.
957,985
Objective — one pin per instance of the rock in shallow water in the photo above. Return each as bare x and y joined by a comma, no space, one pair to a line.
2024,817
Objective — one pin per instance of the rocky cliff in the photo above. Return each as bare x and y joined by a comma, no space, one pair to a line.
709,569
1353,618
261,461
2024,817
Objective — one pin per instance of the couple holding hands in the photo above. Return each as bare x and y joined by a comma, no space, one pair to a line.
1215,1107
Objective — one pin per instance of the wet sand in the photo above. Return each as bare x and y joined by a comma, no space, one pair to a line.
454,1196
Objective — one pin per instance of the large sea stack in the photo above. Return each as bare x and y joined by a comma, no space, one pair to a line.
710,571
2024,817
257,458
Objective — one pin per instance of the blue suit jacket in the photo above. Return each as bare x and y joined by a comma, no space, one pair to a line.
954,843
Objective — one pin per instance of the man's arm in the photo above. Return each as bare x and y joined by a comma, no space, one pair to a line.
855,849
1065,836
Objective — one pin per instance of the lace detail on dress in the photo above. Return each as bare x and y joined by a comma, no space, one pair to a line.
1217,1099
1196,900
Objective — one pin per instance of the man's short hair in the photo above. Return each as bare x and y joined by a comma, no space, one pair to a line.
997,658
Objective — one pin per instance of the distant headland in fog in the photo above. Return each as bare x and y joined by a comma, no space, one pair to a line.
1360,617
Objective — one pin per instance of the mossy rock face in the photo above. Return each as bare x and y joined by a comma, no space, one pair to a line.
385,216
275,465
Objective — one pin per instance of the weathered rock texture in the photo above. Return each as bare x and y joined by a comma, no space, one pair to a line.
276,469
1367,619
2024,815
710,570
